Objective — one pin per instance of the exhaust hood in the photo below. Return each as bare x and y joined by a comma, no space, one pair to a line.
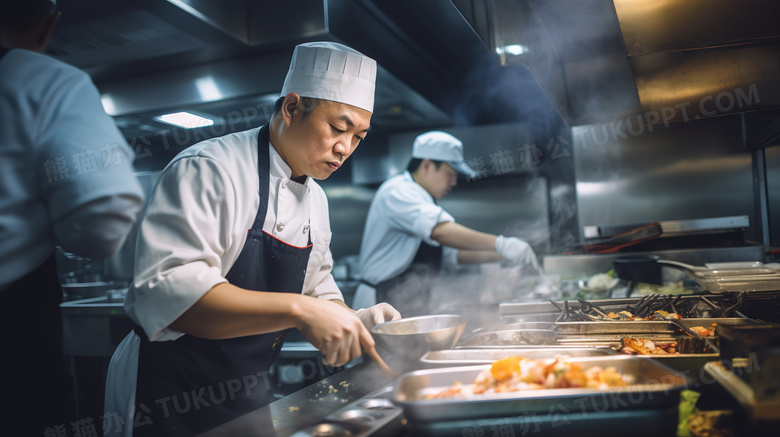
228,59
670,60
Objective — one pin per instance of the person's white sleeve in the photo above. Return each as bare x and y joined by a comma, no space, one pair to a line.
327,290
98,229
410,212
80,142
326,287
181,241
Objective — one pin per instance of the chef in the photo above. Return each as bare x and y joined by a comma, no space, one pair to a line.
408,237
66,179
234,250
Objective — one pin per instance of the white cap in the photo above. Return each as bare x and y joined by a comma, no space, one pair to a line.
441,146
332,71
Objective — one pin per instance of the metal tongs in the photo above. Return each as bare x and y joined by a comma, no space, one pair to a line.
566,312
587,307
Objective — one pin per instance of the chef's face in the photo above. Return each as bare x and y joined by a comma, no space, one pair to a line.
325,137
441,180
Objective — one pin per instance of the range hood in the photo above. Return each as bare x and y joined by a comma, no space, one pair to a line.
229,58
669,60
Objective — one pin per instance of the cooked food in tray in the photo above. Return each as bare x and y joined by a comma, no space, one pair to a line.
657,315
645,346
681,345
515,373
704,332
435,395
653,307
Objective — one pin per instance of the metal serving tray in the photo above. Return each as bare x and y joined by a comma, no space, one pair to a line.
606,340
524,337
559,423
726,321
517,326
690,365
749,283
471,357
615,327
641,326
654,386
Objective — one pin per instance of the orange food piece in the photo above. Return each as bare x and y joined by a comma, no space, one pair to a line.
573,377
504,368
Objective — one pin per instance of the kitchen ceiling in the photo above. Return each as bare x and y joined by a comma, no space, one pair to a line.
228,59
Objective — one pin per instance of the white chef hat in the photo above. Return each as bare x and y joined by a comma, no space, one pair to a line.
332,71
441,146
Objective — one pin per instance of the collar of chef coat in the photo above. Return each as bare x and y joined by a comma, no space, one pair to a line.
408,176
280,169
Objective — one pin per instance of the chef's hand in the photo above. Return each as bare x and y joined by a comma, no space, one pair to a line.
515,250
334,330
379,313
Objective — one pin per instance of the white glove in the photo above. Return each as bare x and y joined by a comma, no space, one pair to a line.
379,313
515,250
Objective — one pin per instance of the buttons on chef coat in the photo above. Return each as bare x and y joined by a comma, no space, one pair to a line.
280,227
305,229
284,183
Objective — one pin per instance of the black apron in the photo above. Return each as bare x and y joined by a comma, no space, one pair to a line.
35,383
410,292
194,384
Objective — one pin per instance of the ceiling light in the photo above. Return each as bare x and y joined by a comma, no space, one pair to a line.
515,49
208,89
186,120
108,104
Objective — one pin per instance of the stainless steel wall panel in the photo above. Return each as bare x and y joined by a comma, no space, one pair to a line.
773,190
640,174
658,26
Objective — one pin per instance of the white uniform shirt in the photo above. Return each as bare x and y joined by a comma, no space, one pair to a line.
62,159
194,230
401,216
197,221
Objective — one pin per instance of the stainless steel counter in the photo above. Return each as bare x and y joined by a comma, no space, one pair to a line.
319,403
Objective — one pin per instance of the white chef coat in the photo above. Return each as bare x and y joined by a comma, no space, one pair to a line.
65,169
194,230
401,216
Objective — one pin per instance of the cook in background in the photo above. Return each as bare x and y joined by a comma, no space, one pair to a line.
66,177
234,249
408,237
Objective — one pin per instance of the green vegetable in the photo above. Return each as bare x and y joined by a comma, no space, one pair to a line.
687,407
611,273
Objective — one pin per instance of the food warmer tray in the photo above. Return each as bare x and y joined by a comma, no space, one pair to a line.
642,326
615,327
690,365
655,386
556,423
735,283
607,340
525,337
470,357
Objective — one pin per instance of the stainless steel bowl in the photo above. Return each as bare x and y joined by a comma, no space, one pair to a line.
409,339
